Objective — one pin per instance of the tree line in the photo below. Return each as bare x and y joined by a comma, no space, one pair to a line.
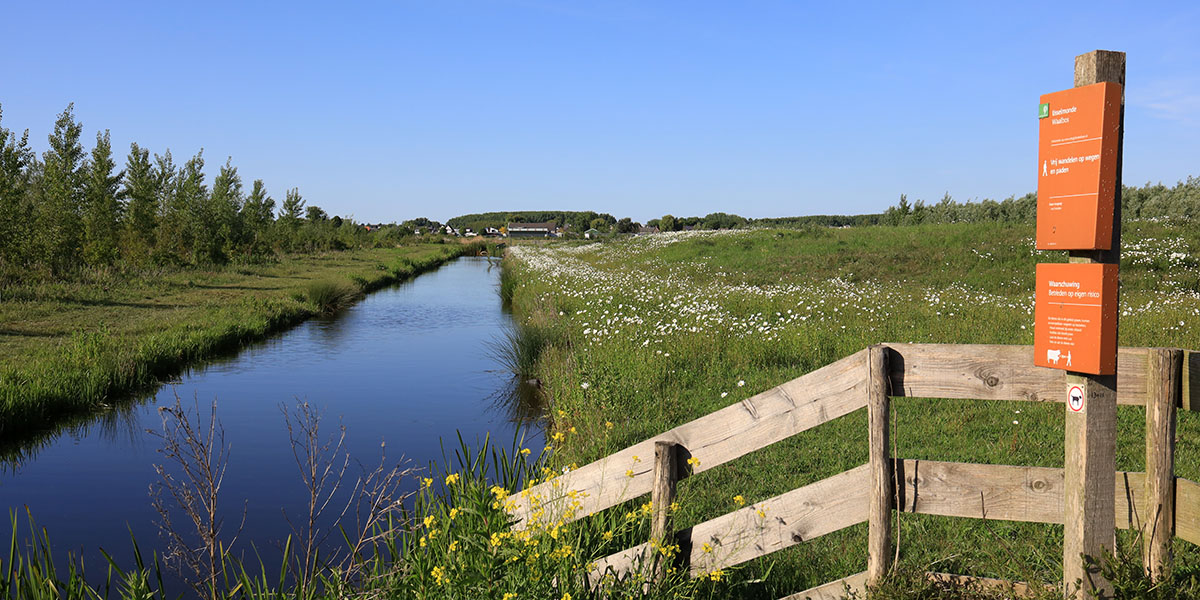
1150,201
71,207
576,221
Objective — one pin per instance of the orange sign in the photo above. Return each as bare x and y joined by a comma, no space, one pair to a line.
1075,318
1077,167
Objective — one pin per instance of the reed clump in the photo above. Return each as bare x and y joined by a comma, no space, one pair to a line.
331,295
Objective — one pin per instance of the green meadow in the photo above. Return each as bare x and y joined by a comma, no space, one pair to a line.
643,334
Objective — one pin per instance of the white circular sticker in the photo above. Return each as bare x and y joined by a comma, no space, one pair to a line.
1075,398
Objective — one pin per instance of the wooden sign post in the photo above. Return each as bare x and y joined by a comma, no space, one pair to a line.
1079,210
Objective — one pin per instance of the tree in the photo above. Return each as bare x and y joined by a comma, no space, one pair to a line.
289,216
191,208
57,212
169,233
667,223
102,206
141,194
599,224
15,226
224,206
626,225
314,214
258,213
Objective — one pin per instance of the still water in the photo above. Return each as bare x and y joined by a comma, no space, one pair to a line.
409,366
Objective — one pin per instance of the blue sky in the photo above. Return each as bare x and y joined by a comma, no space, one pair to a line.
392,110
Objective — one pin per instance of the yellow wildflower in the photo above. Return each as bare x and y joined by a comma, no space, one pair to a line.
558,436
674,507
716,575
739,500
454,513
452,479
566,596
707,548
629,473
695,462
439,575
608,535
525,451
426,482
608,425
509,596
430,521
422,541
454,545
572,429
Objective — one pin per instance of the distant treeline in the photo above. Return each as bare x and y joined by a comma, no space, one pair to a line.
1151,201
578,221
70,207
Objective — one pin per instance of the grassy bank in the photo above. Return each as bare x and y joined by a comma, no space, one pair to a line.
649,333
69,349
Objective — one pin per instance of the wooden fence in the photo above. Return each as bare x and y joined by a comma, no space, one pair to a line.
1160,504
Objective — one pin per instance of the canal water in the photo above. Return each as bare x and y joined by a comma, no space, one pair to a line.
406,370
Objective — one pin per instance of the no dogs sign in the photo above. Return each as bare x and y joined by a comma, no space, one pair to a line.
1075,398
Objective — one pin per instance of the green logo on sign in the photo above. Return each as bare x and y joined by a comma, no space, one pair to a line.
1043,110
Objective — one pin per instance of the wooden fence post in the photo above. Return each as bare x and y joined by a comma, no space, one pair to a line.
1164,379
883,493
1090,461
666,474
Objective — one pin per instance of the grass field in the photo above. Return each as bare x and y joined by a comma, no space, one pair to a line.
651,332
69,349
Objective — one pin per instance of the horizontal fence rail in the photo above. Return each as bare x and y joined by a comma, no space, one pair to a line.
761,528
994,372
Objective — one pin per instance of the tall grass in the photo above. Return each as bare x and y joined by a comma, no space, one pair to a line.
518,347
331,295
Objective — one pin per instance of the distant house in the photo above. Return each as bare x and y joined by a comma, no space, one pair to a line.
591,234
530,230
491,232
643,230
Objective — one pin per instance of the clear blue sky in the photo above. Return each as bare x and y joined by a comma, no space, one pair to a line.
392,110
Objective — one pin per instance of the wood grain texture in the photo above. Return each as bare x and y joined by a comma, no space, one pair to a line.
1187,510
1004,492
997,372
834,590
1088,492
717,438
762,528
883,491
666,465
1191,380
1165,369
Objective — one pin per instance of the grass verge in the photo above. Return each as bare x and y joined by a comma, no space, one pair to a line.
69,349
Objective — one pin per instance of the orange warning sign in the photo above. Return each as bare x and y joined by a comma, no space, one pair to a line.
1077,167
1075,318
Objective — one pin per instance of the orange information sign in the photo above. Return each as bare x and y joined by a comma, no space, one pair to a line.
1075,317
1078,138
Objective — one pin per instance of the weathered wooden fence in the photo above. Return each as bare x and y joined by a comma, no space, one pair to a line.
1160,504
